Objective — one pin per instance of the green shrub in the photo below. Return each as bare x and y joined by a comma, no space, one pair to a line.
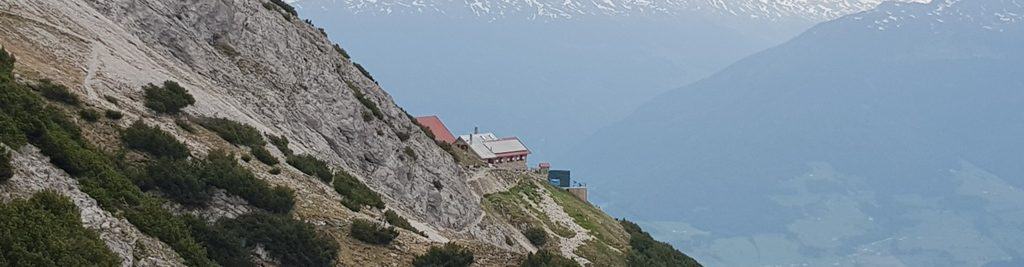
90,115
411,153
537,236
291,242
111,99
46,230
341,51
184,125
367,116
233,132
645,251
394,219
546,258
369,104
170,98
355,194
364,72
6,66
263,155
26,118
312,166
154,141
437,185
180,180
223,246
154,220
403,136
113,114
275,171
225,173
285,6
56,92
281,142
6,170
449,255
246,158
372,233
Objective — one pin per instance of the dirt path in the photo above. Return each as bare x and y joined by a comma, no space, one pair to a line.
90,72
479,199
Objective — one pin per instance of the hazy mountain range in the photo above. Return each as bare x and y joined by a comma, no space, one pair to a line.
509,67
884,138
572,9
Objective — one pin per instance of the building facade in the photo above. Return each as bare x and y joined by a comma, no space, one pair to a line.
508,151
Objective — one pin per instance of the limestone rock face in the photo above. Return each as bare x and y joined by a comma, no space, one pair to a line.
247,61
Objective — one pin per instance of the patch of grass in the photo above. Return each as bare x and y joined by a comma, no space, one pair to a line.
394,219
113,114
232,131
546,258
169,98
6,170
519,211
602,227
281,142
372,232
90,115
312,166
649,252
449,255
56,92
46,230
600,254
152,140
263,155
355,194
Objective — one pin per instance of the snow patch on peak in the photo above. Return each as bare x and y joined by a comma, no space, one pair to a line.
815,10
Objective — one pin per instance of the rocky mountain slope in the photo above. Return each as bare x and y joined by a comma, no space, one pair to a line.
814,10
253,72
881,138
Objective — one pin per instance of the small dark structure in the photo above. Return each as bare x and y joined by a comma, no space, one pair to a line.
559,178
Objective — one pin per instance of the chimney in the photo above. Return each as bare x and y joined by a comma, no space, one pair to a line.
476,130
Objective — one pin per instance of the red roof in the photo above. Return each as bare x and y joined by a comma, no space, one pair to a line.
545,165
437,127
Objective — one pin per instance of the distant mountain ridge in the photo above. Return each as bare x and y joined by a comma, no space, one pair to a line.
883,138
815,10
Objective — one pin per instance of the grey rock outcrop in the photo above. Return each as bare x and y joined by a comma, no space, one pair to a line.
248,62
